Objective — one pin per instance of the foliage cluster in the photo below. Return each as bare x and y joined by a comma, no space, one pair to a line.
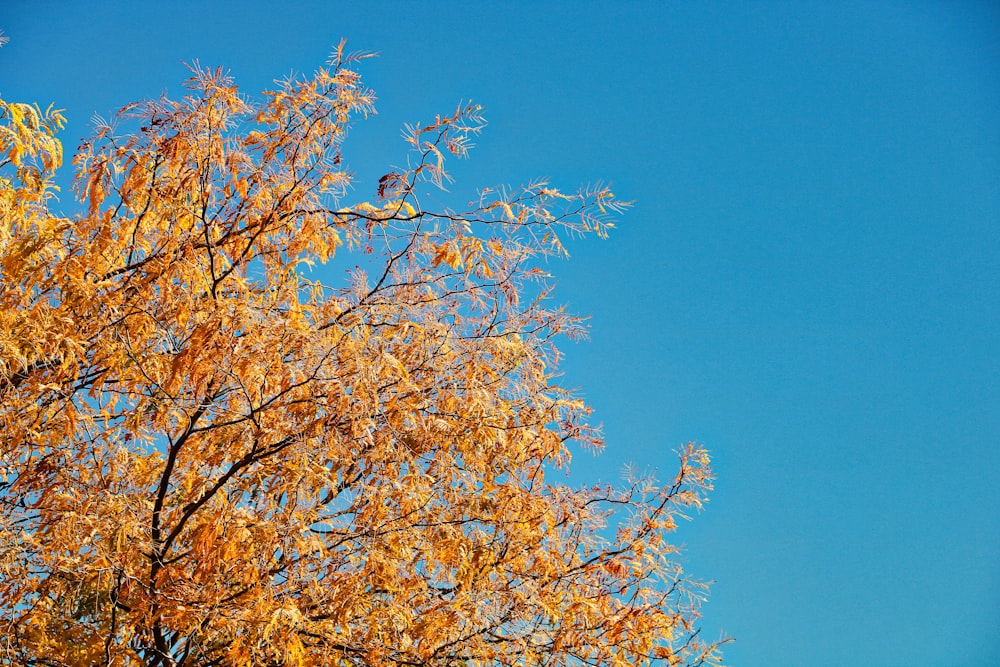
207,457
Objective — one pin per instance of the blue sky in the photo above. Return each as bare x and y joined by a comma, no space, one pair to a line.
808,282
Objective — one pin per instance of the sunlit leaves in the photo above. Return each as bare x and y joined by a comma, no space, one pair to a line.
210,457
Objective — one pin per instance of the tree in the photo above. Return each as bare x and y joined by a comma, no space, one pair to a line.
209,457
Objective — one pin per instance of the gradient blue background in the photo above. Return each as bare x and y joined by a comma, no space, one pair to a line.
808,282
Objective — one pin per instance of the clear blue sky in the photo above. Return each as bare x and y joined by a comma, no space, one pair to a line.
808,283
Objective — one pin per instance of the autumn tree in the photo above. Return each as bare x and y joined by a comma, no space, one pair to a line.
210,456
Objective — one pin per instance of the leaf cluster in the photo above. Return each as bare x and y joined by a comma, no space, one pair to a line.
209,458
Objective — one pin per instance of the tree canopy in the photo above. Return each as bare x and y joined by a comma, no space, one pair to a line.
209,455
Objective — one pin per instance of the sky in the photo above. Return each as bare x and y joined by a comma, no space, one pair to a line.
808,282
